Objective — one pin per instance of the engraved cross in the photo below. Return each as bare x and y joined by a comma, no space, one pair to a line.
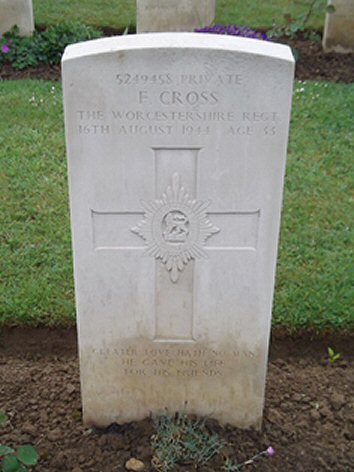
176,230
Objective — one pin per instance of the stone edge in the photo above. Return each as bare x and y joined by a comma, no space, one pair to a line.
160,41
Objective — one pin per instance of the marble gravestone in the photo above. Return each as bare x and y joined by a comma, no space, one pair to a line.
176,149
338,35
173,15
16,12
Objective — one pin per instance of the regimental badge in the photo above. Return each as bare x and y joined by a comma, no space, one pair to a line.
175,228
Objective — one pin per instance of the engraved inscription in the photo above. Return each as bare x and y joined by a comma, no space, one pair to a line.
94,129
173,104
183,79
175,227
174,362
174,97
129,122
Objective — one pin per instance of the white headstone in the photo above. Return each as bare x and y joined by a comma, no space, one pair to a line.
16,12
173,15
338,33
176,148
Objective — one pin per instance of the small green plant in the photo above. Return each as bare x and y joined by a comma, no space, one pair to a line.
332,355
52,41
231,466
44,47
296,24
180,439
3,418
17,460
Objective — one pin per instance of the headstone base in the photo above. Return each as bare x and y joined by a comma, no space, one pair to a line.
174,15
338,33
16,12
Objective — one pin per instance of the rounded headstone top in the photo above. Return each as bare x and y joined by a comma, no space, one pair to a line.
178,40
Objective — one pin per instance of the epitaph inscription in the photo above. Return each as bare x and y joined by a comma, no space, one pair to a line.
172,361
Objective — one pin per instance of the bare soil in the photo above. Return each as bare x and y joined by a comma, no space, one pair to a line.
308,418
312,64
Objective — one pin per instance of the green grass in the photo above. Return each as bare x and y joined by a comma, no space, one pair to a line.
261,14
122,13
315,274
103,13
36,275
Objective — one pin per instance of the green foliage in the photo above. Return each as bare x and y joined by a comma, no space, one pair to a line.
44,47
293,25
3,419
5,450
332,355
11,464
230,466
20,50
180,439
27,455
17,460
53,41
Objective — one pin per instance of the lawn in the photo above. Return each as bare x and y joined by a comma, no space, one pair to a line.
36,285
122,13
315,275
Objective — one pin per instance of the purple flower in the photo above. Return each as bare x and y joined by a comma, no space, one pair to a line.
270,451
5,48
233,30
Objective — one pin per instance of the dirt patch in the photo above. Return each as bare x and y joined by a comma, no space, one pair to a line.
308,420
312,64
43,72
